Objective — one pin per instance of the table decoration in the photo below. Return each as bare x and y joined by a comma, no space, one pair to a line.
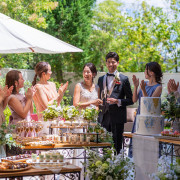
171,111
13,167
52,160
6,137
103,134
108,166
17,158
90,114
70,113
166,170
51,113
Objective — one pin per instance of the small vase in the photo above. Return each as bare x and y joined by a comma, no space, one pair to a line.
176,125
2,152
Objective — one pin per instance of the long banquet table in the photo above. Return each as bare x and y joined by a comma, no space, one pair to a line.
68,146
68,149
73,173
169,145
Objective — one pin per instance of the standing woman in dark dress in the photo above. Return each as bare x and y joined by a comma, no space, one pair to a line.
151,88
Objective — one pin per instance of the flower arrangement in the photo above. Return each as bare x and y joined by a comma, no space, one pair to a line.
104,135
6,134
108,166
170,108
52,111
90,114
70,112
166,171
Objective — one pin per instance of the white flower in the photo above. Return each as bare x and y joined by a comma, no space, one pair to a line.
117,76
8,136
108,160
59,108
168,176
109,178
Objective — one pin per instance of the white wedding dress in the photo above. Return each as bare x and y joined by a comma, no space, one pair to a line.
85,96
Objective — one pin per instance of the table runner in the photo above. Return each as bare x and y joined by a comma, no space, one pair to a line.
145,155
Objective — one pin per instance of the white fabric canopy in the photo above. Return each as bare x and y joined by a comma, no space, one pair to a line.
16,37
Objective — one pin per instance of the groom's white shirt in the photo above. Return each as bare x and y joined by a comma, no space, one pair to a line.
110,80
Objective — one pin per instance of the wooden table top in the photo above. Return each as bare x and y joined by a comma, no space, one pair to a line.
35,172
165,139
68,145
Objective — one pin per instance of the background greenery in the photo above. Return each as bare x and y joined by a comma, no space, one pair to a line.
140,36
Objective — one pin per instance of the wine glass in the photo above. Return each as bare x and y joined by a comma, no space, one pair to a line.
36,129
103,94
93,124
27,130
18,129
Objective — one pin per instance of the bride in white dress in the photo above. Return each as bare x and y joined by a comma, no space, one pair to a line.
86,94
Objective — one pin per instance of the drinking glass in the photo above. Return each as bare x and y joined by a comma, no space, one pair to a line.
102,95
18,129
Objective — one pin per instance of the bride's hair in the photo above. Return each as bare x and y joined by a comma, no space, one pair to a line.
92,67
39,69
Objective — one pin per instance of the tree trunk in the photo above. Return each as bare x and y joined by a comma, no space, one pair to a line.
59,71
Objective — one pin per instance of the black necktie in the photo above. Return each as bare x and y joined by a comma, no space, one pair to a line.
110,75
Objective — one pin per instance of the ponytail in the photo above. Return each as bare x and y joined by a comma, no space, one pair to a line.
35,78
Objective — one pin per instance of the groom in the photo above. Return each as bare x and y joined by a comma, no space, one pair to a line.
117,92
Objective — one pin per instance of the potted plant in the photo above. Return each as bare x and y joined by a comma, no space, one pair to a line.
51,113
6,137
70,113
90,114
171,111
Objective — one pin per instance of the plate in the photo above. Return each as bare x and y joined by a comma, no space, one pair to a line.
55,167
70,166
14,161
29,161
15,170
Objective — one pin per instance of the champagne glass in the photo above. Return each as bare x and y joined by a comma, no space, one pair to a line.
18,129
36,129
102,95
27,130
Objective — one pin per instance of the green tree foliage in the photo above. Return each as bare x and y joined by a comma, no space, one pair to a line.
68,20
71,22
138,37
32,13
